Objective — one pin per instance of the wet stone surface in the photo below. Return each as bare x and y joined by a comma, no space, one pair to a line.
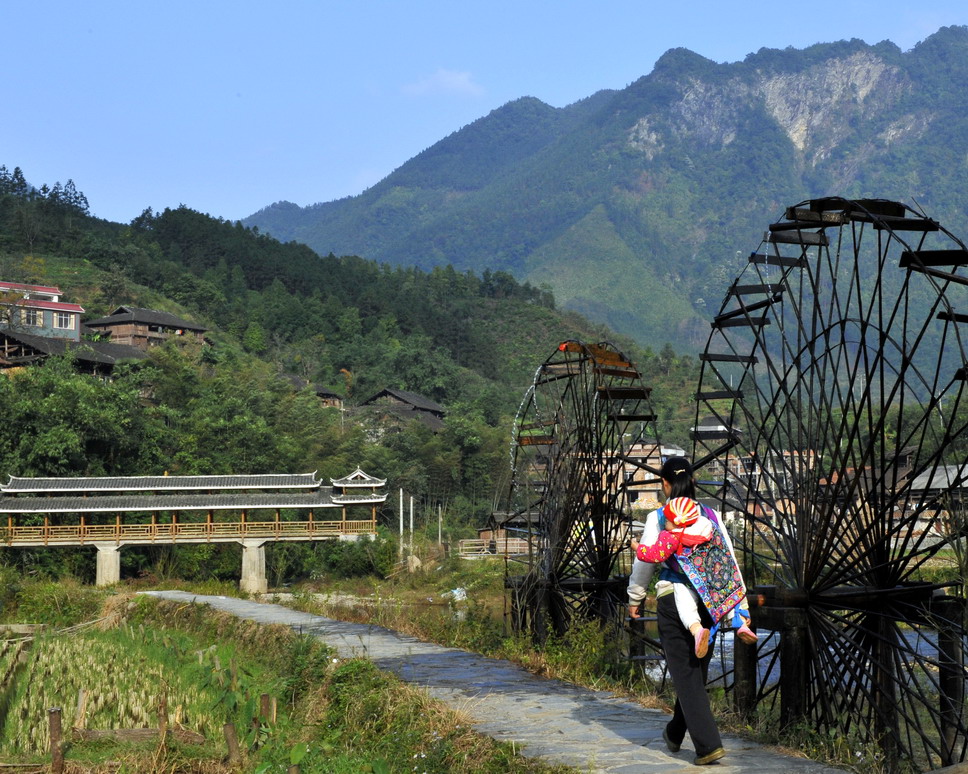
594,731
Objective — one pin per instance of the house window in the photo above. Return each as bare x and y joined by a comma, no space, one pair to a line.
64,320
33,317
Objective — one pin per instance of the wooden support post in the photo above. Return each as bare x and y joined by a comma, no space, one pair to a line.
80,714
950,613
56,740
744,677
885,687
232,743
794,642
162,720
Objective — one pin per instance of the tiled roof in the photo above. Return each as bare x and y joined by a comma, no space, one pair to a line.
358,478
147,316
57,306
298,383
415,400
101,352
941,478
174,502
18,485
173,493
46,289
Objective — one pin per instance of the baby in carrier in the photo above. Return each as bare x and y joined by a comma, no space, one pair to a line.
685,528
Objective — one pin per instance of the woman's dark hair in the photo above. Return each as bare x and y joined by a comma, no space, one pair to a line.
678,472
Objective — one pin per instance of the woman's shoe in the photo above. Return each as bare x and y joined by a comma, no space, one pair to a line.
673,747
702,643
715,755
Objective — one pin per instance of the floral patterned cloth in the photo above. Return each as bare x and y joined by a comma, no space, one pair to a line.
713,573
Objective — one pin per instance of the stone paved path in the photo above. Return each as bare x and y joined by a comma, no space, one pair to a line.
593,731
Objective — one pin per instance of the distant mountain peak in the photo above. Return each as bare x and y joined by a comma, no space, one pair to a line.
671,178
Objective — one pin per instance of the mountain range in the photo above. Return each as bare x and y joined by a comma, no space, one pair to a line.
638,206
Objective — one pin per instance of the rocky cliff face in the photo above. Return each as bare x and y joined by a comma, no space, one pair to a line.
817,108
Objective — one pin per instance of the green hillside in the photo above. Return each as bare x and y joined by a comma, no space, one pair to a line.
276,311
635,206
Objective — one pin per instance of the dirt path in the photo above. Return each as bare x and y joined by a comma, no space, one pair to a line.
593,731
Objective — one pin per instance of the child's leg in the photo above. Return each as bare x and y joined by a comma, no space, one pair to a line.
686,606
741,620
689,615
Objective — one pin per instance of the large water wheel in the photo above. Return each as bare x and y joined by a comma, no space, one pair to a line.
582,416
832,418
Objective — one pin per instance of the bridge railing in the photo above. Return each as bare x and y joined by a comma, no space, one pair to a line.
187,532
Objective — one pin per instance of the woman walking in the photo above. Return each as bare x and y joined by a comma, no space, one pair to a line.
688,670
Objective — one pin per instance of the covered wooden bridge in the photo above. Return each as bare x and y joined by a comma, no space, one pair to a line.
112,512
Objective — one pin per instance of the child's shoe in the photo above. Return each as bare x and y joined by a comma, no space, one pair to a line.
746,634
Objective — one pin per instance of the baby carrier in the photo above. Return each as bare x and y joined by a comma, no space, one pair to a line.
713,572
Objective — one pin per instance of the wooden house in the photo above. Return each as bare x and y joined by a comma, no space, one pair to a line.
327,397
392,404
145,328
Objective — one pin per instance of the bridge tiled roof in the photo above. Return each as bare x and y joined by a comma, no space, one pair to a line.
18,485
358,479
198,502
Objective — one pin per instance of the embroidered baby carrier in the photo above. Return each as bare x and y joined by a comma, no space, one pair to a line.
713,572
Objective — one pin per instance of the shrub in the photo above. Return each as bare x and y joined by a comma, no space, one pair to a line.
58,603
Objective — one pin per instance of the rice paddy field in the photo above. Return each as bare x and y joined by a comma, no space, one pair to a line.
117,679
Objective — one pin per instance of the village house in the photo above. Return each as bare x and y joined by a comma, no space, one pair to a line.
644,489
38,311
391,404
145,328
327,397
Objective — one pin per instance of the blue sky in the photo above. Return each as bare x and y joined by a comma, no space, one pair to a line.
229,106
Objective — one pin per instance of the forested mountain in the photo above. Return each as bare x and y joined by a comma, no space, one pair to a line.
636,206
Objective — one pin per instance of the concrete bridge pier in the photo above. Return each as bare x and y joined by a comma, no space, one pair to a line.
254,567
108,564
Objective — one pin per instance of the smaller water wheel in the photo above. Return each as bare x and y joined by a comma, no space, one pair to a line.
585,411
